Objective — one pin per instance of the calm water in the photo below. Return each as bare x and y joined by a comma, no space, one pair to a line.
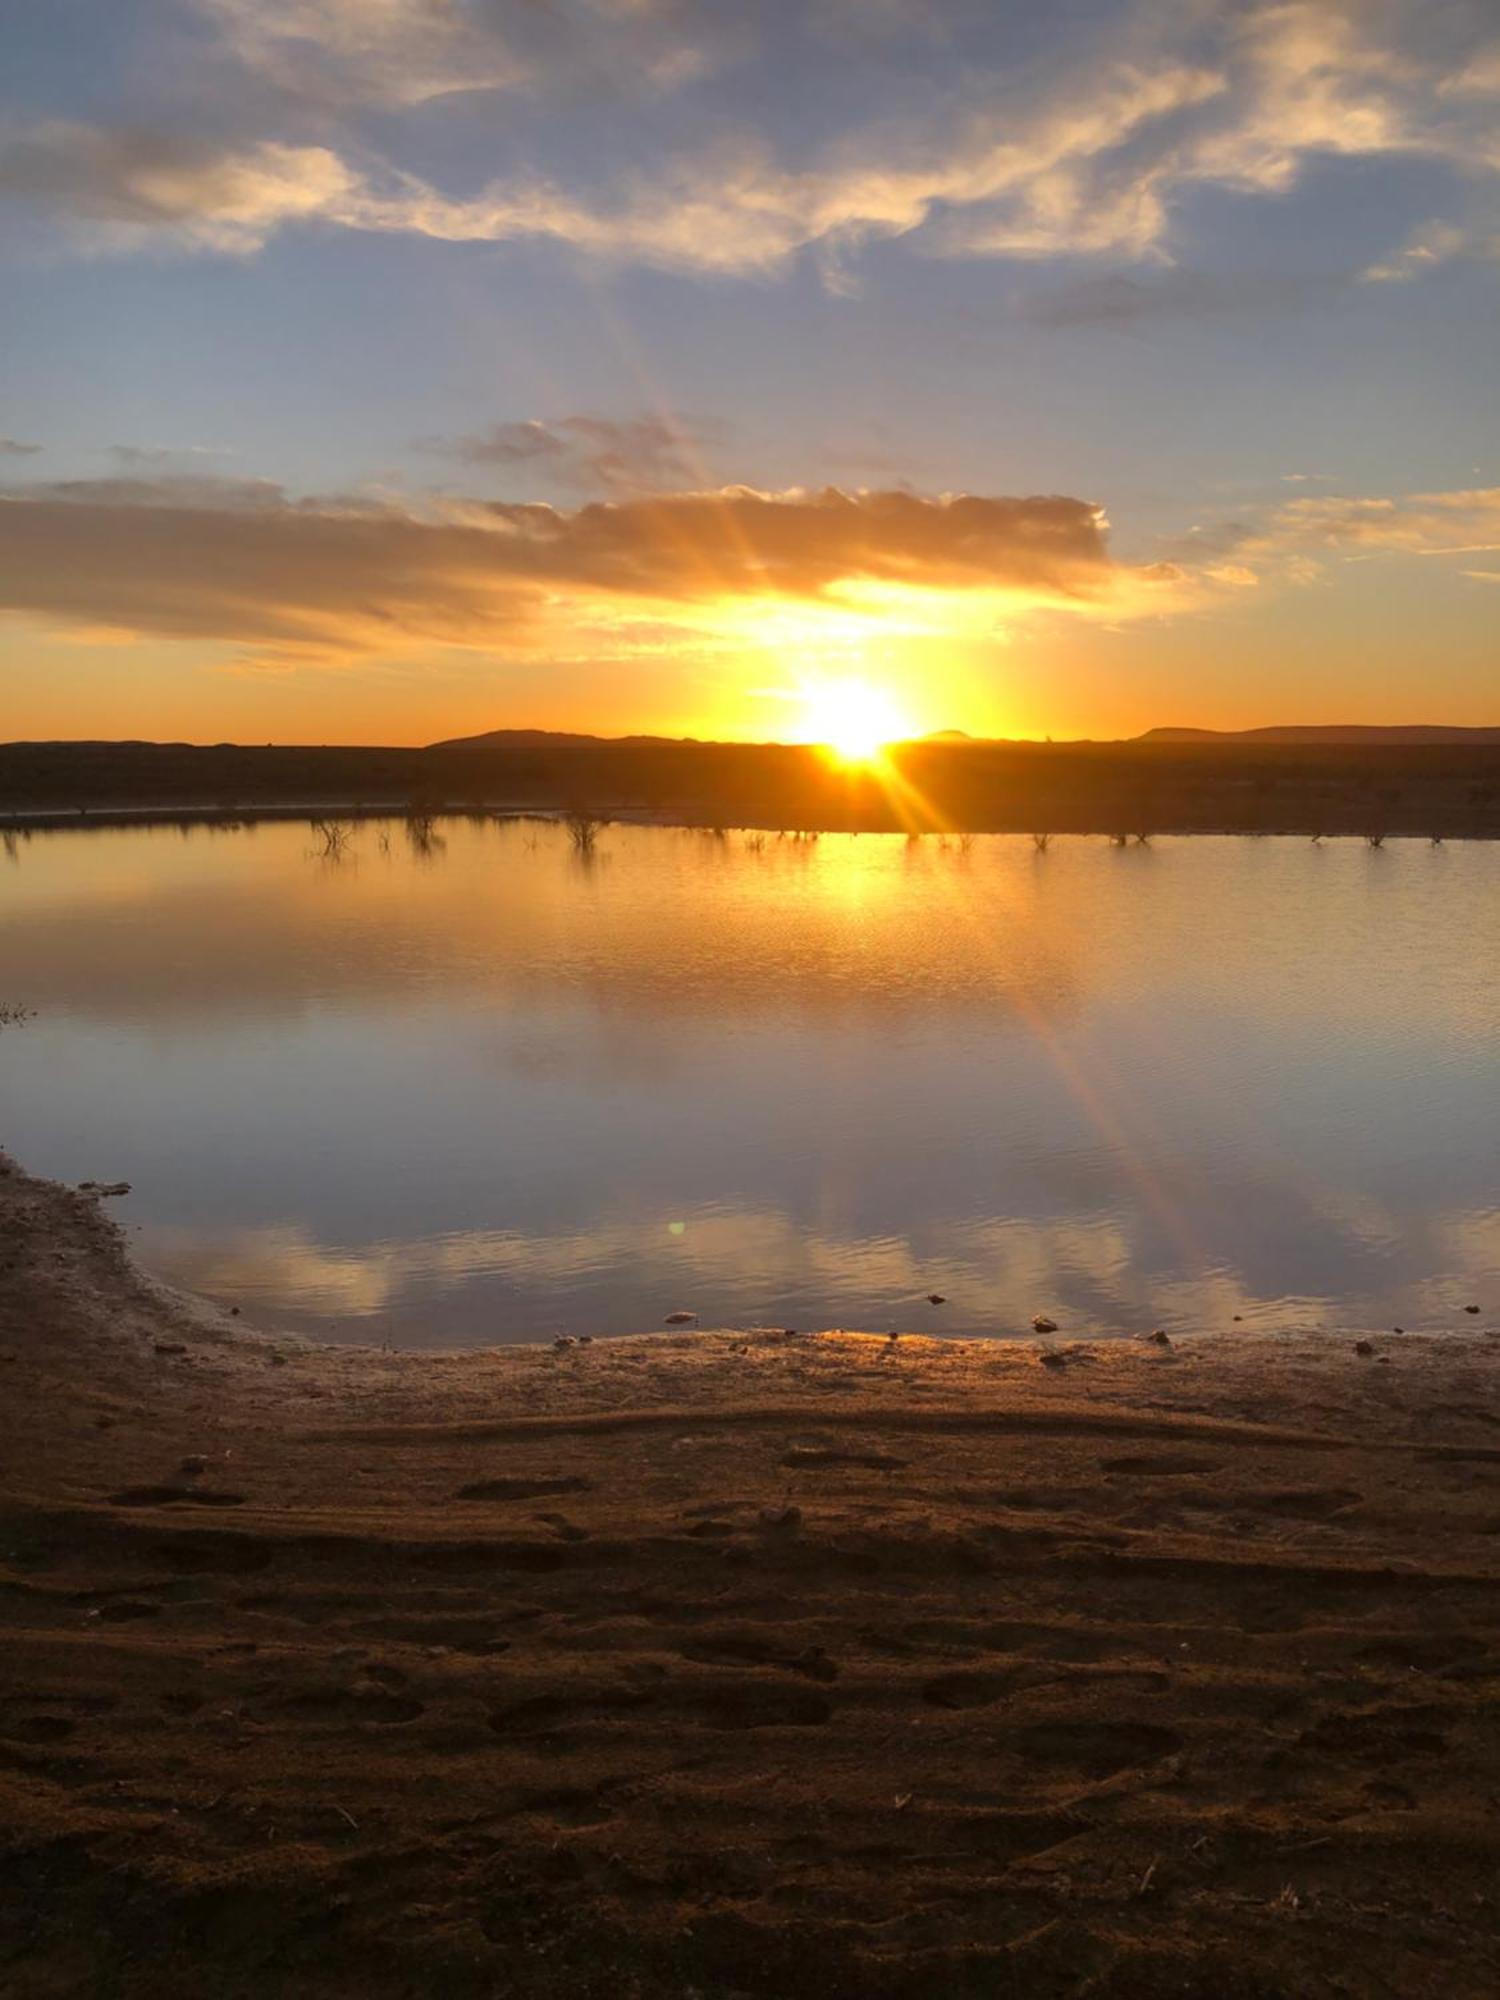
485,1092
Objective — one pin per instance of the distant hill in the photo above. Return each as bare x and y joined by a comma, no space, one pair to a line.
547,739
1331,732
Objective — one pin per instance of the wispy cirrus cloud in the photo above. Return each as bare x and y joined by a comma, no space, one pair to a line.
1462,522
403,52
1121,301
1094,154
1298,538
614,455
138,455
1437,243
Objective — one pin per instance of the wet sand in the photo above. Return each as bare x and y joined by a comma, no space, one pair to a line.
724,1665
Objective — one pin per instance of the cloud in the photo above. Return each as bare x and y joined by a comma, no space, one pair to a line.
239,562
603,454
131,188
1092,152
13,448
163,454
1480,77
1119,301
1295,538
1457,523
1433,244
404,52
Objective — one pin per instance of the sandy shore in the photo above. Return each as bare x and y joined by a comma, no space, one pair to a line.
699,1664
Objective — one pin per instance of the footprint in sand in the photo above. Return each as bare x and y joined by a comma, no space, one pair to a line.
172,1496
524,1489
811,1456
735,1649
208,1554
971,1690
1159,1468
1098,1749
339,1707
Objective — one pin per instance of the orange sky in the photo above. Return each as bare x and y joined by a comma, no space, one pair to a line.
392,373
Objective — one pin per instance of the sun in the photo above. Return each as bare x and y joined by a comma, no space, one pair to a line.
852,719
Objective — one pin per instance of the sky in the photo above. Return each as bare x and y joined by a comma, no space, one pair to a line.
387,370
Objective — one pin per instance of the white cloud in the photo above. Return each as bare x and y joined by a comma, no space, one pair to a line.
1091,156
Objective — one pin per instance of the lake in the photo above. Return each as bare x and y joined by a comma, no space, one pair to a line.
460,1085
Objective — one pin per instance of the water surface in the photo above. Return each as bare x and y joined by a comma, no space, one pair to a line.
468,1087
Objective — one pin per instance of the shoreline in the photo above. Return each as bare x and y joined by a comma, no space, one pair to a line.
1119,790
735,1664
85,818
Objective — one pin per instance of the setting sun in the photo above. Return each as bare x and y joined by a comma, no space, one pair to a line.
852,719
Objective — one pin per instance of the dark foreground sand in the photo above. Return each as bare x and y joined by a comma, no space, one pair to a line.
691,1665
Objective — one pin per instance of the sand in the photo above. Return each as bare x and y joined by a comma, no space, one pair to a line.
700,1663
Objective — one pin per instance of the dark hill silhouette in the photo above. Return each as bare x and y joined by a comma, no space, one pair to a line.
1330,732
548,739
1372,786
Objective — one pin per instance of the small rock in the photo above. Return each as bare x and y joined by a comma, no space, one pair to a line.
1398,1329
193,1464
564,1340
234,1312
585,1340
1363,1347
1237,1317
679,1319
1041,1324
1467,1309
1162,1337
170,1346
936,1299
785,1518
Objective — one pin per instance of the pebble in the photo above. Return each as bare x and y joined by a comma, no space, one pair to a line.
1162,1337
679,1319
1363,1347
1041,1324
193,1464
936,1299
